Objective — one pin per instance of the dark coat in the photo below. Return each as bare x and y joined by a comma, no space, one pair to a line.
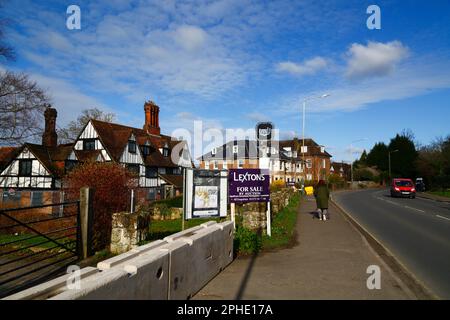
322,194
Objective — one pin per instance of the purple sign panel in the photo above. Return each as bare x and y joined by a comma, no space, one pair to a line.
249,185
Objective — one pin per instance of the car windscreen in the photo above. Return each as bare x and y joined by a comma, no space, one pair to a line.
403,183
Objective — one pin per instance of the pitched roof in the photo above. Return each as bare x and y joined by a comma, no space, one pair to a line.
52,158
338,166
7,154
246,149
313,148
114,138
250,149
88,155
176,180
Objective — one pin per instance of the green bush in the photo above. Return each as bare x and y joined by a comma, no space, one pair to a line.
175,202
246,241
363,175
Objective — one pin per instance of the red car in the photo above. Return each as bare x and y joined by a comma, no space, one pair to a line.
403,188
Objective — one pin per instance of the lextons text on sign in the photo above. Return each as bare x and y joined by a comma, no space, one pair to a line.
248,185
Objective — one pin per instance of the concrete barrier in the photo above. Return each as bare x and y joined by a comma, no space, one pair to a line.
50,288
174,268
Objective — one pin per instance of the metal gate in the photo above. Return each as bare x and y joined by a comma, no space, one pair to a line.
37,243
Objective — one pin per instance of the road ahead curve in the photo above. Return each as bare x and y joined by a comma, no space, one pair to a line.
416,231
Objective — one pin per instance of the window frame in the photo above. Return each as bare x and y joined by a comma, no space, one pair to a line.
132,146
29,168
87,142
153,170
131,166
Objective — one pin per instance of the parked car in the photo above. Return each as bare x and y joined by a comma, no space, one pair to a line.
420,185
403,188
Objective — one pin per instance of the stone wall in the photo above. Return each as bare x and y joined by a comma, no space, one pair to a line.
172,214
127,231
253,214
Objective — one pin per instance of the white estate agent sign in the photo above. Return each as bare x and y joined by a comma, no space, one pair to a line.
206,193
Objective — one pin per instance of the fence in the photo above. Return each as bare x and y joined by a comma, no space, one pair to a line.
36,244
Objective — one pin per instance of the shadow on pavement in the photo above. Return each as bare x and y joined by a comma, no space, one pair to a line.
248,272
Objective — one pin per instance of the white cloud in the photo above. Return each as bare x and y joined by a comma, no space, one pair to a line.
374,59
308,67
190,37
414,78
67,99
258,117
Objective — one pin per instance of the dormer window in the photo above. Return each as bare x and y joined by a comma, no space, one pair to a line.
235,149
132,146
214,151
146,150
165,150
322,149
304,149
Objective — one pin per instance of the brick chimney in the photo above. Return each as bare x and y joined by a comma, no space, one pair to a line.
49,137
151,118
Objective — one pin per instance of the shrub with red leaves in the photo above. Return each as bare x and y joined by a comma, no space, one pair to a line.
112,185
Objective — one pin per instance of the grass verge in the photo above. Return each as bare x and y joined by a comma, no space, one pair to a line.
163,228
247,242
283,226
441,193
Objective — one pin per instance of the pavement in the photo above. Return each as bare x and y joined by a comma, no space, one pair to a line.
329,261
415,231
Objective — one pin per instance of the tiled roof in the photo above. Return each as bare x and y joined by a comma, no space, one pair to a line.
337,166
249,149
312,150
176,180
156,159
53,159
7,154
114,138
87,155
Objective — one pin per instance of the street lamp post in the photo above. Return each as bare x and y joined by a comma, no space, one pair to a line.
303,128
390,162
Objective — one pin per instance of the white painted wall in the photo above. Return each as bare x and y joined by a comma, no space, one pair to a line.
40,177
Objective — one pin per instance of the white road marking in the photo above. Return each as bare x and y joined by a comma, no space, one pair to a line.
442,217
414,209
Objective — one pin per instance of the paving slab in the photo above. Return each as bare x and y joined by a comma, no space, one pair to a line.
329,261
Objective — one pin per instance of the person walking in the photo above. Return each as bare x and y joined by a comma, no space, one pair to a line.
322,194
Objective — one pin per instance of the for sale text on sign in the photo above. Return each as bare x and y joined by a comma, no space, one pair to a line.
249,185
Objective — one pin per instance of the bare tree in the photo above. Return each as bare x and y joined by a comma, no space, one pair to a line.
22,103
73,129
6,51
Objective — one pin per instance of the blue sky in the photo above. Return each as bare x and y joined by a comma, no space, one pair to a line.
233,63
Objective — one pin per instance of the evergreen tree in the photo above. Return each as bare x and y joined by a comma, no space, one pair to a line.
378,156
403,162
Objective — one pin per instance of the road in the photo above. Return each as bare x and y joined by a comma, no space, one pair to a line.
416,231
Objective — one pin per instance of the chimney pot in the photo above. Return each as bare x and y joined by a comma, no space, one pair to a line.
151,125
49,137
